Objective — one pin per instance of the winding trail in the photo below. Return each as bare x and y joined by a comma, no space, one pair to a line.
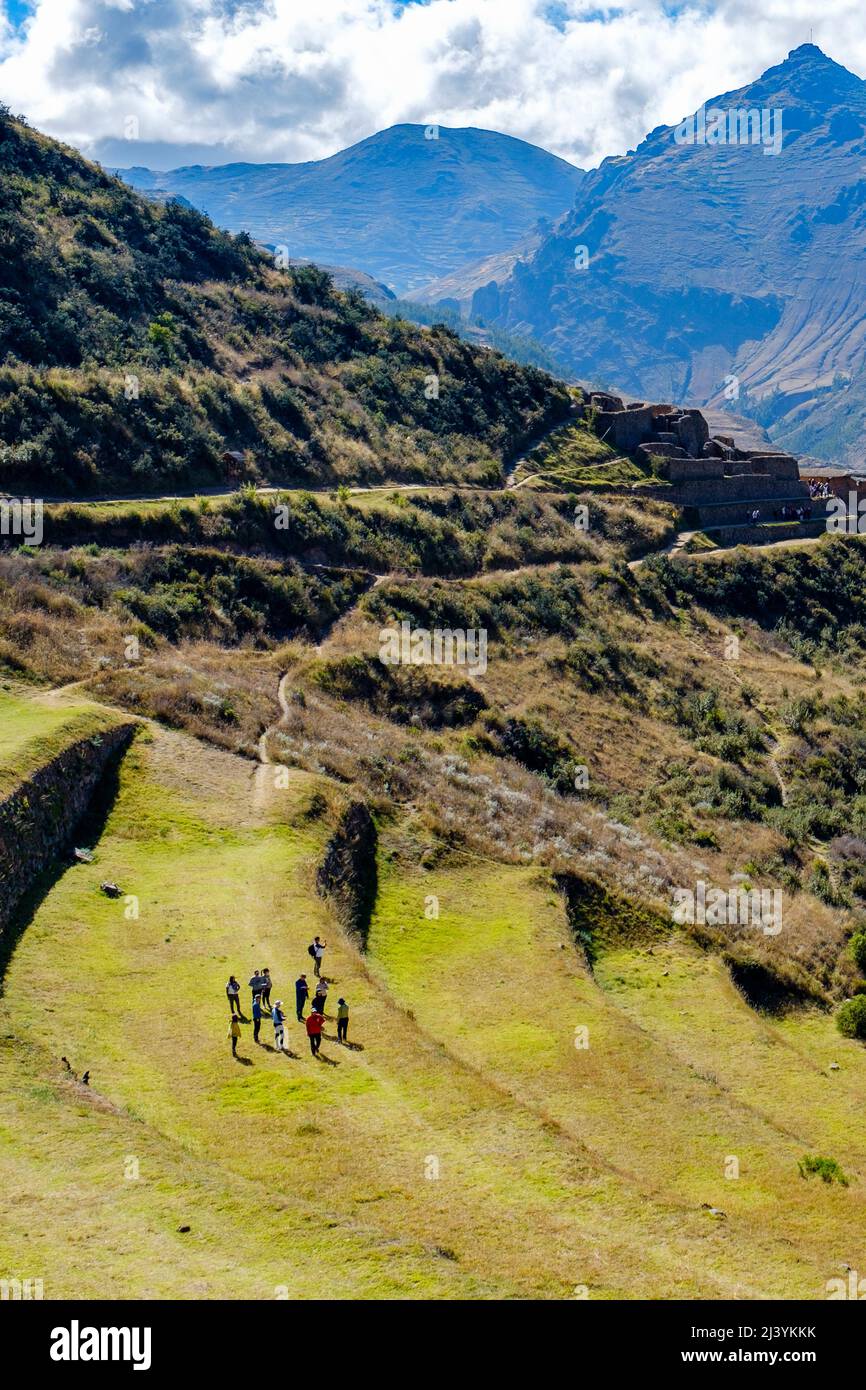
260,490
265,759
674,547
773,764
682,539
509,483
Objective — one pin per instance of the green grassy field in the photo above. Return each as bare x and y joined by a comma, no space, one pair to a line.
463,1147
678,1074
33,730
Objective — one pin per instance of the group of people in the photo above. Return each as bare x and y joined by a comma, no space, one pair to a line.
260,985
819,489
789,512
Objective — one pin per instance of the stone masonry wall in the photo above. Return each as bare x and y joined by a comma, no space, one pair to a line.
38,820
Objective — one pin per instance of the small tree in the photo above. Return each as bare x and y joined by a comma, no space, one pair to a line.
851,1018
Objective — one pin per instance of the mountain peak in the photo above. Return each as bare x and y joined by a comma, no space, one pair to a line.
711,261
409,204
806,78
806,51
809,73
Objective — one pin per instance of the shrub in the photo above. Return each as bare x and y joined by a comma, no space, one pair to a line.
821,884
858,950
529,743
828,1169
851,1017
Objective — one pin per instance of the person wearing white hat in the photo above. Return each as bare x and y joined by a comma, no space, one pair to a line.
279,1018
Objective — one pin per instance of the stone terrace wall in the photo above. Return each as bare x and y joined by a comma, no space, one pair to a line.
38,820
701,469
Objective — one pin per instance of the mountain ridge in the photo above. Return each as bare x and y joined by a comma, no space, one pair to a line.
406,205
140,347
718,274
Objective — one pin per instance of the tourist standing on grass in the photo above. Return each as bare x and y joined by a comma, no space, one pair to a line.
257,1017
257,983
317,951
266,987
233,993
342,1020
302,994
279,1019
314,1031
234,1033
320,996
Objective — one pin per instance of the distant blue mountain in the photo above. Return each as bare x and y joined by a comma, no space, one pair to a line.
402,206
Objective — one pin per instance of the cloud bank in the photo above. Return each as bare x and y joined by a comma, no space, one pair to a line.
168,82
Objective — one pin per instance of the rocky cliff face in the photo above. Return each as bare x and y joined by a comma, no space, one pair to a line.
711,259
39,819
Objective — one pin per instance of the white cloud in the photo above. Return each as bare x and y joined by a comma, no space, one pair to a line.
299,79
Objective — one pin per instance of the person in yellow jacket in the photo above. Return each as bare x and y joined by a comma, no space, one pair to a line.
234,1033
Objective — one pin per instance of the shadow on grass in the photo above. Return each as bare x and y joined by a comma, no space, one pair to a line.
286,1051
352,1046
88,829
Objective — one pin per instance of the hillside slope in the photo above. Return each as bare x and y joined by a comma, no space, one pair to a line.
400,205
142,348
462,1147
555,1088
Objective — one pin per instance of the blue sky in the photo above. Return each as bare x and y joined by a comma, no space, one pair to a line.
16,10
166,82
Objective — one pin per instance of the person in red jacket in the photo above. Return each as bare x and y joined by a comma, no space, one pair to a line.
314,1023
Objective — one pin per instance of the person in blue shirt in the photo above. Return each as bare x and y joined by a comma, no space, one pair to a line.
257,1017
